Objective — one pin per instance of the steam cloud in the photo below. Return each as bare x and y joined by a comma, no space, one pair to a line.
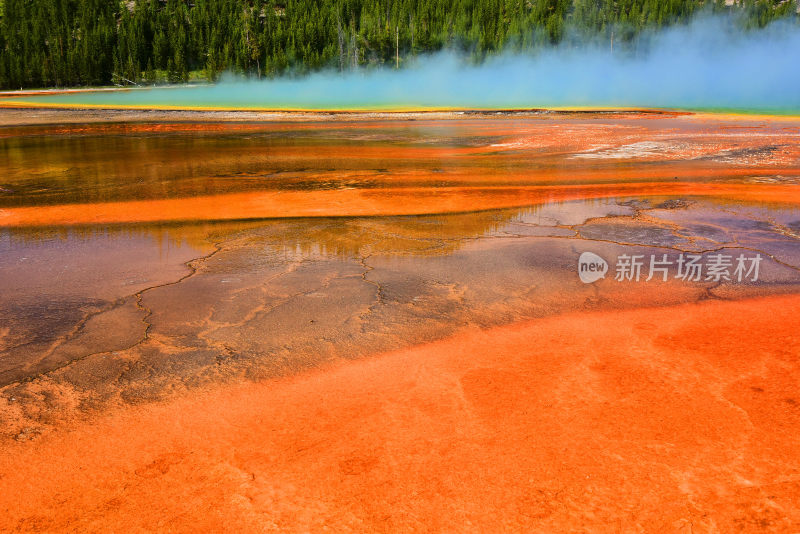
708,64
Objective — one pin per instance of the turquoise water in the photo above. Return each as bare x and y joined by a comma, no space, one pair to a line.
704,66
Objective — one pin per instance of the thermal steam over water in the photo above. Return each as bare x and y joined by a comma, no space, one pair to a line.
706,65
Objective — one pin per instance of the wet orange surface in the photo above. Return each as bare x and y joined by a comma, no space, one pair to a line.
681,419
134,172
378,326
355,203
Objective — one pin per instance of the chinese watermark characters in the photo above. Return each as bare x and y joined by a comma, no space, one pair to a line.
663,267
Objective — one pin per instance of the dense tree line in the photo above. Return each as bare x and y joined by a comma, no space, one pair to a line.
97,42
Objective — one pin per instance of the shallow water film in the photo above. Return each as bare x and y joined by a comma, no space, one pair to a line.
533,322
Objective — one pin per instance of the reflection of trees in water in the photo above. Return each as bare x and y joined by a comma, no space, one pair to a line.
347,237
328,236
87,163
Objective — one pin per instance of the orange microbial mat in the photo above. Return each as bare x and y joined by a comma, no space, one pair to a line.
379,323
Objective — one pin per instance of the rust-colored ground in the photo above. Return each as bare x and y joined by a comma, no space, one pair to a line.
360,203
316,363
681,419
123,173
